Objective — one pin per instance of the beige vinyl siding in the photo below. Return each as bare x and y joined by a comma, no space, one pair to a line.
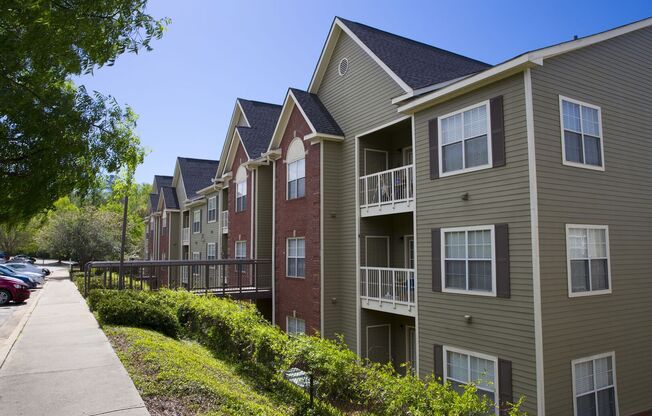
500,327
359,101
264,211
330,176
614,75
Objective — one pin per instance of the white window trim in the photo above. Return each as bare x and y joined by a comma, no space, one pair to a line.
369,149
446,349
443,232
208,209
490,160
244,195
611,354
193,221
287,180
406,250
287,325
287,257
235,253
572,294
563,137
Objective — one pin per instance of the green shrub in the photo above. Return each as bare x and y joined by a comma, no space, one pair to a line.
131,308
237,330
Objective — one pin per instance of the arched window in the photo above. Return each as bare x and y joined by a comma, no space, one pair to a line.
241,189
296,175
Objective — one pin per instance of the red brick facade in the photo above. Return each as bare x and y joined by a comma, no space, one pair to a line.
239,222
299,217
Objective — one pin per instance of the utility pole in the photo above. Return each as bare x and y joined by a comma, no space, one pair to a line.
122,243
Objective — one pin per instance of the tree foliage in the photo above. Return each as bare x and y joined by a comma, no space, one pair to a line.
56,137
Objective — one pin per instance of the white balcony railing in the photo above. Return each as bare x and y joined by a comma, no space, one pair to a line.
387,285
387,187
185,236
224,219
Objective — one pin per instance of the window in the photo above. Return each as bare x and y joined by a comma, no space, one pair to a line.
240,249
469,260
465,140
588,259
165,220
581,126
196,221
212,209
296,260
594,385
195,269
297,179
295,326
241,196
464,367
211,253
296,169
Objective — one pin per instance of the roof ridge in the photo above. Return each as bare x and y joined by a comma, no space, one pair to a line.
412,40
197,159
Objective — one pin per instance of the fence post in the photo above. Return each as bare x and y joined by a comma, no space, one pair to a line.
207,272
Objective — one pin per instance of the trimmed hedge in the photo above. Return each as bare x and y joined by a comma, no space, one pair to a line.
237,330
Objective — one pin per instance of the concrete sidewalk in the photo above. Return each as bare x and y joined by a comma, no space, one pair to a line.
63,364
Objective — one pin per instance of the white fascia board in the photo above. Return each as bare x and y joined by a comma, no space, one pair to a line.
282,122
475,81
331,41
237,110
424,90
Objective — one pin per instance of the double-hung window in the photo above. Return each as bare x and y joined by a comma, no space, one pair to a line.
212,209
196,221
296,257
469,260
211,253
465,140
594,385
588,259
295,326
581,125
465,367
297,179
241,196
240,249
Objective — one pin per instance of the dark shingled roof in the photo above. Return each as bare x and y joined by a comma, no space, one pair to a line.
153,202
262,118
170,197
197,174
320,118
417,64
162,180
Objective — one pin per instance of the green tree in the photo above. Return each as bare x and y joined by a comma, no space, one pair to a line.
82,234
56,138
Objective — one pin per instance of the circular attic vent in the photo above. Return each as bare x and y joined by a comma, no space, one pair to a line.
344,66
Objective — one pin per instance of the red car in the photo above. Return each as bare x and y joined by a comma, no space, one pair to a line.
12,289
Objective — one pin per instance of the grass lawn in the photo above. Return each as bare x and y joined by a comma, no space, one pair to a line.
184,378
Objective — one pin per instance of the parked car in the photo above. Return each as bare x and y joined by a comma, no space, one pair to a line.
26,267
37,275
12,290
6,271
24,257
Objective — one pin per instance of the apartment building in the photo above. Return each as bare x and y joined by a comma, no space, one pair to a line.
482,223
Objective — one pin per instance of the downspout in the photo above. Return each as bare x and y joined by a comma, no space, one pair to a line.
273,242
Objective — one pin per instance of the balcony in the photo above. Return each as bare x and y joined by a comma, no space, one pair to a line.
185,236
388,290
387,192
224,219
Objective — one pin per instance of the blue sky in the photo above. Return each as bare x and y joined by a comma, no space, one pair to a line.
215,51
